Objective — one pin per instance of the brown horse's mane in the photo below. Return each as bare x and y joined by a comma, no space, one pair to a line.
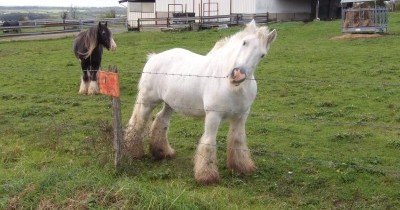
85,42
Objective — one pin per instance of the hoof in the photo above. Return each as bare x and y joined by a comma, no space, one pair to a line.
93,88
135,151
206,173
207,179
161,154
247,169
82,92
83,89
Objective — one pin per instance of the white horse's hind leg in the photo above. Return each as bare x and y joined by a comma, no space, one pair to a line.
239,158
83,89
205,160
134,131
159,146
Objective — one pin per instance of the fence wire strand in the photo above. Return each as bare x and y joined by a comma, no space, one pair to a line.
138,74
296,117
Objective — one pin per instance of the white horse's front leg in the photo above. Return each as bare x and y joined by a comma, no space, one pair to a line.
159,145
239,158
205,160
134,131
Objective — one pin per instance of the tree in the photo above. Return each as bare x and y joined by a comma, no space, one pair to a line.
380,3
110,14
72,12
64,16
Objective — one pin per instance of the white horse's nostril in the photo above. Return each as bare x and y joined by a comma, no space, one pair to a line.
237,76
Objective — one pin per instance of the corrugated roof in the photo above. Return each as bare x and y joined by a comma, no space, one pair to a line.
355,1
149,1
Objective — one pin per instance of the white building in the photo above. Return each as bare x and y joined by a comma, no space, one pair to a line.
276,9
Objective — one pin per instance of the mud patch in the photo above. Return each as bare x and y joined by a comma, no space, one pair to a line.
356,36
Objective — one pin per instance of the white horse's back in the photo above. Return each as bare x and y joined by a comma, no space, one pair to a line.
173,77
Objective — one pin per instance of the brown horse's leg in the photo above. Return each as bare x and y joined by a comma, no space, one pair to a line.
93,86
83,89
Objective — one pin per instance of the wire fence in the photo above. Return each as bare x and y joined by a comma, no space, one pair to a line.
262,116
299,117
294,117
137,75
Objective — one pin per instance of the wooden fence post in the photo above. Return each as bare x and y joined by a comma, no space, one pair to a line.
117,127
237,19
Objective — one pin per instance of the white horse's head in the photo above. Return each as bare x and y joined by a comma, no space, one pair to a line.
244,50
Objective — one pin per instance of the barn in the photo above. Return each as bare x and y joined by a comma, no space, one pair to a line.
277,10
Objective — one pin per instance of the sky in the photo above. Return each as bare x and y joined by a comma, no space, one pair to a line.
61,3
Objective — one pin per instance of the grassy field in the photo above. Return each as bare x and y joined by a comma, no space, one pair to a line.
324,130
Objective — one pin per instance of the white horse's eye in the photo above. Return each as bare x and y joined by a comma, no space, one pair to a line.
262,56
244,43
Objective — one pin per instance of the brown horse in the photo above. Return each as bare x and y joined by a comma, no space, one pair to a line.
88,48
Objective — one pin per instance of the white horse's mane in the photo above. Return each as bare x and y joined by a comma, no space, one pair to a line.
251,28
150,55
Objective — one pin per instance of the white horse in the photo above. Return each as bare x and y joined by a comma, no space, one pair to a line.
219,85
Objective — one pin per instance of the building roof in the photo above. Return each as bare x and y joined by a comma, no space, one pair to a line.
149,1
355,1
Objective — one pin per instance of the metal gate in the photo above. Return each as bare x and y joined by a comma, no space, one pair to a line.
364,16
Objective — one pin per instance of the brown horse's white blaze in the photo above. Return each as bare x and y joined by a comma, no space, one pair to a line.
113,45
223,87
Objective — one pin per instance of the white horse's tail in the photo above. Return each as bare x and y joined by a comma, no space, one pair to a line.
151,55
148,69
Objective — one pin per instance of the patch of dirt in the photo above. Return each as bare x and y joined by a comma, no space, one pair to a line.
356,36
100,198
47,204
38,37
16,201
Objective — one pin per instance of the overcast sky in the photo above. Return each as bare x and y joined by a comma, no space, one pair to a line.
61,3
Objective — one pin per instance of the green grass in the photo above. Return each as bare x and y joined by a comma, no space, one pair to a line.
324,130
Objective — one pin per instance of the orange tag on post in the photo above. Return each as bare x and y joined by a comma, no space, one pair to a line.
108,82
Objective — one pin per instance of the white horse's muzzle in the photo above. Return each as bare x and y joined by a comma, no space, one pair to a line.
237,76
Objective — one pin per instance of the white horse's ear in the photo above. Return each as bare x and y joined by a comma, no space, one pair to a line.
272,36
251,26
